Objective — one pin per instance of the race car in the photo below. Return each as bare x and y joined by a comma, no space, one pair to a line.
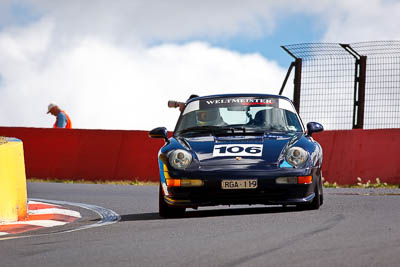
239,149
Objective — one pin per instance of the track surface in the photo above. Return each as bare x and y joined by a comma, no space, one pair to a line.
348,230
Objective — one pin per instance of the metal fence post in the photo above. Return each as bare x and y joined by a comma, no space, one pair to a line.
360,101
287,77
359,86
297,79
297,84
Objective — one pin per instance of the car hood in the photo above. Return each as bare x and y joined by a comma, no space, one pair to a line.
264,149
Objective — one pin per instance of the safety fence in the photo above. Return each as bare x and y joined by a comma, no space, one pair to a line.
131,155
347,86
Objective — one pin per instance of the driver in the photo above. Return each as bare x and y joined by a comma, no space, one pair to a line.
209,117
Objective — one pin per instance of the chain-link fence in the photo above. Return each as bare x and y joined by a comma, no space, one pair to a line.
347,86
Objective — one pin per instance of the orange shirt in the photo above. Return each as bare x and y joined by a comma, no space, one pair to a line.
61,118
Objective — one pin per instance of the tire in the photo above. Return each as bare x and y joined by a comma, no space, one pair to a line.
321,201
168,211
315,203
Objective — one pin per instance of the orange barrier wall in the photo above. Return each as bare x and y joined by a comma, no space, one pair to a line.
129,155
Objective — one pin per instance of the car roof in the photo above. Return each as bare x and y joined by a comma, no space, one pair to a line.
237,95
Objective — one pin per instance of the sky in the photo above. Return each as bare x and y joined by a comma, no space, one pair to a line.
115,64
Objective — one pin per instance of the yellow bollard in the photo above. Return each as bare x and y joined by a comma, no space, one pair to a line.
13,195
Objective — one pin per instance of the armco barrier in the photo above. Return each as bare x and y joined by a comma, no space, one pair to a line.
129,155
13,196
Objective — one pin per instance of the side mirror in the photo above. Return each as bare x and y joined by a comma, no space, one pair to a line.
314,127
159,132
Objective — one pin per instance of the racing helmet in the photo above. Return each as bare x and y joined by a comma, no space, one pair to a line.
209,116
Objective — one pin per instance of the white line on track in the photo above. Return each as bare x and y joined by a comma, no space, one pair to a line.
107,217
37,202
43,223
56,211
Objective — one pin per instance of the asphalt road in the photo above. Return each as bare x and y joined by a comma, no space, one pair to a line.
349,230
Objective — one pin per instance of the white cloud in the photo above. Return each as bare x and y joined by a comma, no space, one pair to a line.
94,58
146,21
352,21
153,20
134,21
103,85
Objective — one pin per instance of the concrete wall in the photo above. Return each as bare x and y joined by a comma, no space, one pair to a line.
128,155
88,154
368,154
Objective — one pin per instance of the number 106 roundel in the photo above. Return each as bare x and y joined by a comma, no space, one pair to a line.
239,149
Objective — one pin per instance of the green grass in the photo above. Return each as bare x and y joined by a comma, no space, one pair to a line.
361,184
3,140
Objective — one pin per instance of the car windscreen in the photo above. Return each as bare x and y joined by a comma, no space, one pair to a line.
246,113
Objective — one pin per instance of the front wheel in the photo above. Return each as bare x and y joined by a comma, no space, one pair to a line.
315,203
168,211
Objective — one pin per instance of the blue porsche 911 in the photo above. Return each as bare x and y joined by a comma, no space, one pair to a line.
239,149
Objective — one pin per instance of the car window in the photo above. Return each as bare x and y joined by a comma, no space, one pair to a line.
250,112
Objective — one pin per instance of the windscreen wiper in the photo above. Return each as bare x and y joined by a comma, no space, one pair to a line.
277,130
243,130
239,128
201,129
229,130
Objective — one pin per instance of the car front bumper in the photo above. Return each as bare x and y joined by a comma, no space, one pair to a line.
267,193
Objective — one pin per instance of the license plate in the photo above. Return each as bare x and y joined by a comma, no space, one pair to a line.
239,184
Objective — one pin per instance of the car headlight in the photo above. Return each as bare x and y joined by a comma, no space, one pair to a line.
296,156
180,159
